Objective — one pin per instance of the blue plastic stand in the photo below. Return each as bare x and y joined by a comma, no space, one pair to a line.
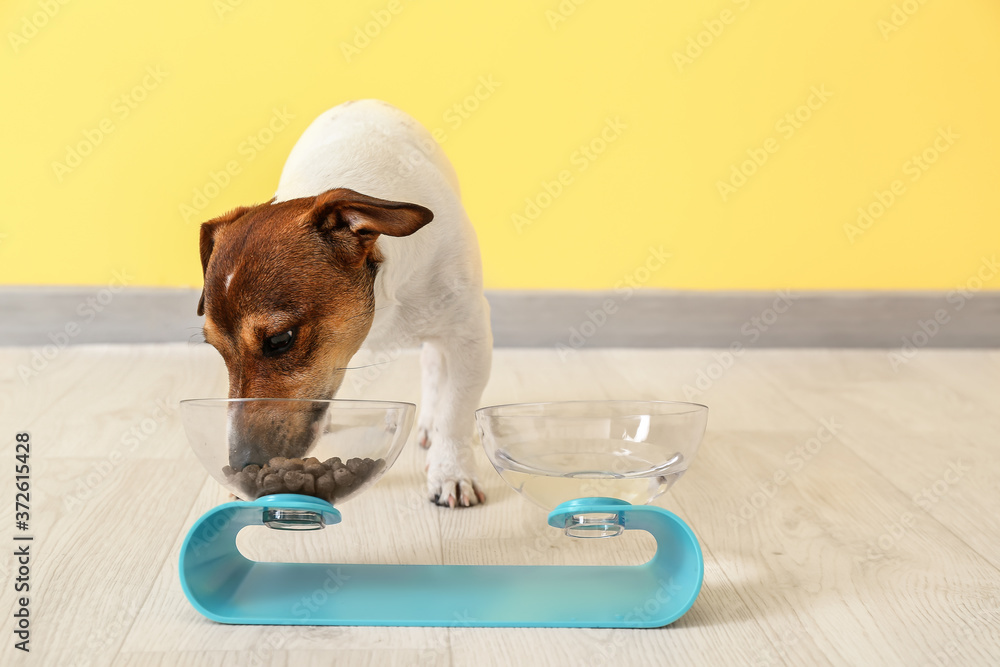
227,587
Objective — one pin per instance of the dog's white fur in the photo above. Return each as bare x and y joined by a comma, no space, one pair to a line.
429,288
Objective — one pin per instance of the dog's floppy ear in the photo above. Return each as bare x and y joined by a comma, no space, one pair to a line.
353,221
208,231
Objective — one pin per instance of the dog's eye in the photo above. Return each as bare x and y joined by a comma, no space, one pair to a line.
278,344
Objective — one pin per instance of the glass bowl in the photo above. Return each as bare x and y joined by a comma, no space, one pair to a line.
552,453
329,449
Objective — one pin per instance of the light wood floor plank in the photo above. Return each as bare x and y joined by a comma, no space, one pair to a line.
838,564
936,441
821,479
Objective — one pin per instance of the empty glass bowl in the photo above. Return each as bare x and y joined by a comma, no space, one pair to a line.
555,452
330,449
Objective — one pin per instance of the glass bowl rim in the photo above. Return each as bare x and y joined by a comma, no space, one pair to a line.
486,411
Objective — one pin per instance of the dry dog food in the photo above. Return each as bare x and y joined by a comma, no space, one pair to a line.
330,480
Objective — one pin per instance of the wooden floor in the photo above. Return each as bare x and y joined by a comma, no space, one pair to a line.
849,513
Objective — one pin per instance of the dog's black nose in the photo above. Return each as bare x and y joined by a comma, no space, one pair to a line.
242,456
239,460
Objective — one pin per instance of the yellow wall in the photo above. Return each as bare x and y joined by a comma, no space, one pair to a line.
887,92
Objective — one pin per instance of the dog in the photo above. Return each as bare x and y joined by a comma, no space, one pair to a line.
365,242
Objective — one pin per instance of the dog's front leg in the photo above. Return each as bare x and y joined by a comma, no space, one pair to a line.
431,379
465,369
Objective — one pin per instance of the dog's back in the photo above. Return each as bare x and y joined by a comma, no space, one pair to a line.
368,146
371,147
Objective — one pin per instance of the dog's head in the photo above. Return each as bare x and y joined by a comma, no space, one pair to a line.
288,300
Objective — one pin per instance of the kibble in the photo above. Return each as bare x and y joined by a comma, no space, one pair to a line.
330,480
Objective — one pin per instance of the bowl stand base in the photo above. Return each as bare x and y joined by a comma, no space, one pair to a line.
227,587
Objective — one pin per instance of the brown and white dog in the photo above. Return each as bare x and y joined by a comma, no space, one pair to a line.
345,255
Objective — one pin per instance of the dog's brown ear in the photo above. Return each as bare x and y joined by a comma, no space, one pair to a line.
207,241
365,218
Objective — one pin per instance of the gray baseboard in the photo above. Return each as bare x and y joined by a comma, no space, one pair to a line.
646,318
655,318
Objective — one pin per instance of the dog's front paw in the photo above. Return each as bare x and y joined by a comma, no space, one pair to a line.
450,480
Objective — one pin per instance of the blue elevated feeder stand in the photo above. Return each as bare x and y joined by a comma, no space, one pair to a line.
227,587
